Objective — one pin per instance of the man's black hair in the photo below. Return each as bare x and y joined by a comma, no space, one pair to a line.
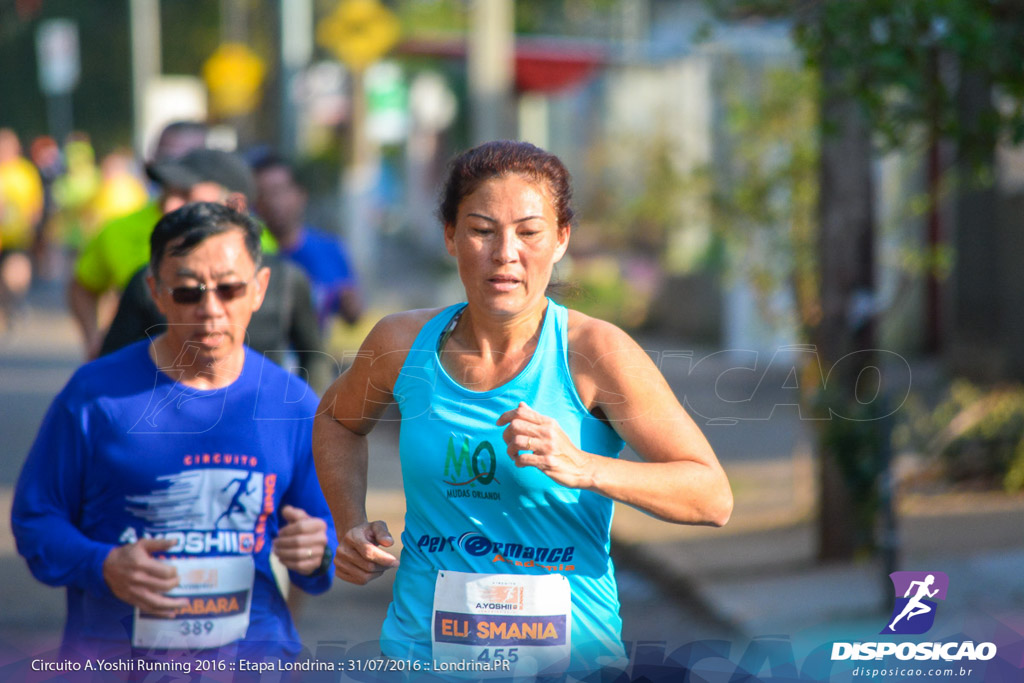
180,231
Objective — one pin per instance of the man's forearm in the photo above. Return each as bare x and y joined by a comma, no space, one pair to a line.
84,307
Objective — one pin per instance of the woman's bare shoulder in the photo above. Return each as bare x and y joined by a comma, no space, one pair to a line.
398,331
594,338
386,347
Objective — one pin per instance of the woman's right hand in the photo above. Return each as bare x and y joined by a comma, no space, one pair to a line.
360,559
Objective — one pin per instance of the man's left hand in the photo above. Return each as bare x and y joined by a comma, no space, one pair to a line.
300,543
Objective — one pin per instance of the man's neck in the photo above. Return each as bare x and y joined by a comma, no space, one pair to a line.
192,368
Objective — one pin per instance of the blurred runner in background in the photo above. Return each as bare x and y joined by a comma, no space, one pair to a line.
21,209
74,191
121,246
49,162
121,190
281,204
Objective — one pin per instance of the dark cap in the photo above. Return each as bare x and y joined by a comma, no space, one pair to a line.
204,166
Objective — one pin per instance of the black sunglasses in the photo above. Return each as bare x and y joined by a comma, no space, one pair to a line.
226,291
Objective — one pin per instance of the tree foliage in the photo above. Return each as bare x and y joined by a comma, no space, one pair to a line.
765,203
904,60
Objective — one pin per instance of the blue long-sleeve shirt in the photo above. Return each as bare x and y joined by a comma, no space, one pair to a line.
126,453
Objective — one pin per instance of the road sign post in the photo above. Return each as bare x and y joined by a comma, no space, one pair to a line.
359,32
59,71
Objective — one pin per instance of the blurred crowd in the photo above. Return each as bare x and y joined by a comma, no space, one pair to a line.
73,216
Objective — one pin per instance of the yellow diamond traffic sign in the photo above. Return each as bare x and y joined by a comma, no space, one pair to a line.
359,32
233,74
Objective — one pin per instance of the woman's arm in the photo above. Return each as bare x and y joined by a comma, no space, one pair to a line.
348,412
680,479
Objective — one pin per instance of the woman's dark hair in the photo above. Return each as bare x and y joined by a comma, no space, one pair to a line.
180,231
501,158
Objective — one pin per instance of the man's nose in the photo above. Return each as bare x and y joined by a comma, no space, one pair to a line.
210,304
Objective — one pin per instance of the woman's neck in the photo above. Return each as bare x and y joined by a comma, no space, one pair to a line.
499,336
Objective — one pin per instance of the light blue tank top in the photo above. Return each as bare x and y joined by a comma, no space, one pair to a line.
470,509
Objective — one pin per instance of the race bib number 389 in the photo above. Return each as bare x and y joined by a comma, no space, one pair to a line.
525,620
219,592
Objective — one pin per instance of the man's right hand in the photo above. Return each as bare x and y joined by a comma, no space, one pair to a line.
139,579
360,559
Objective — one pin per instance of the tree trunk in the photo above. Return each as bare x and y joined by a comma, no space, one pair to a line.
976,303
846,258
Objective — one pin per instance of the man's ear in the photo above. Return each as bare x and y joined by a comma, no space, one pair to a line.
238,202
262,280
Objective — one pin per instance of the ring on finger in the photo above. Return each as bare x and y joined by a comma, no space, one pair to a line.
309,554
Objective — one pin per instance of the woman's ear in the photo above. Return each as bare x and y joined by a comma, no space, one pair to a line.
449,238
562,237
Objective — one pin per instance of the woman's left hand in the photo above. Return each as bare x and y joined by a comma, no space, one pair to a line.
536,440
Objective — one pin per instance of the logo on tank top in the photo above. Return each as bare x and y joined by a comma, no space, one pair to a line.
468,471
473,544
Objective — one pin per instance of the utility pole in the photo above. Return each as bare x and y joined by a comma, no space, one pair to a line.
146,63
234,22
360,32
491,54
296,21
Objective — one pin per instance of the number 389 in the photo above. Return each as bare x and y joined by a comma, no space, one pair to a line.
195,628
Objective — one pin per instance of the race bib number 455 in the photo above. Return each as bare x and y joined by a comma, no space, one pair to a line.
525,620
219,593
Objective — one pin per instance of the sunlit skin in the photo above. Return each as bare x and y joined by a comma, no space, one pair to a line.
506,241
203,345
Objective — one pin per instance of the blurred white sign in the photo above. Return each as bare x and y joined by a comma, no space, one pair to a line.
387,103
57,52
171,98
322,91
432,102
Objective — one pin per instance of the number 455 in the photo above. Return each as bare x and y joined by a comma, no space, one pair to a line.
498,654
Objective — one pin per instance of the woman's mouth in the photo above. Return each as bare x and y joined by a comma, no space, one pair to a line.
504,283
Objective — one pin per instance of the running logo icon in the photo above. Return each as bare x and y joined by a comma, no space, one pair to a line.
916,593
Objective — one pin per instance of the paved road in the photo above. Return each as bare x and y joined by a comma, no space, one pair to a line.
35,362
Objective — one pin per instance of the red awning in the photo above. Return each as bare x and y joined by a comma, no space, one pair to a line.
546,65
